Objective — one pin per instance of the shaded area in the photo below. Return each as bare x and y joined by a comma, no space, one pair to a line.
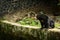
11,6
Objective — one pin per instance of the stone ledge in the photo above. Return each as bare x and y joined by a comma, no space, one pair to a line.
19,25
28,26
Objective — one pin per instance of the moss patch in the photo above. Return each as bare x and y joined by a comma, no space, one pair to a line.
30,21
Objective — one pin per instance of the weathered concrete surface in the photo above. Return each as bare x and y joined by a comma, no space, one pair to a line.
14,31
